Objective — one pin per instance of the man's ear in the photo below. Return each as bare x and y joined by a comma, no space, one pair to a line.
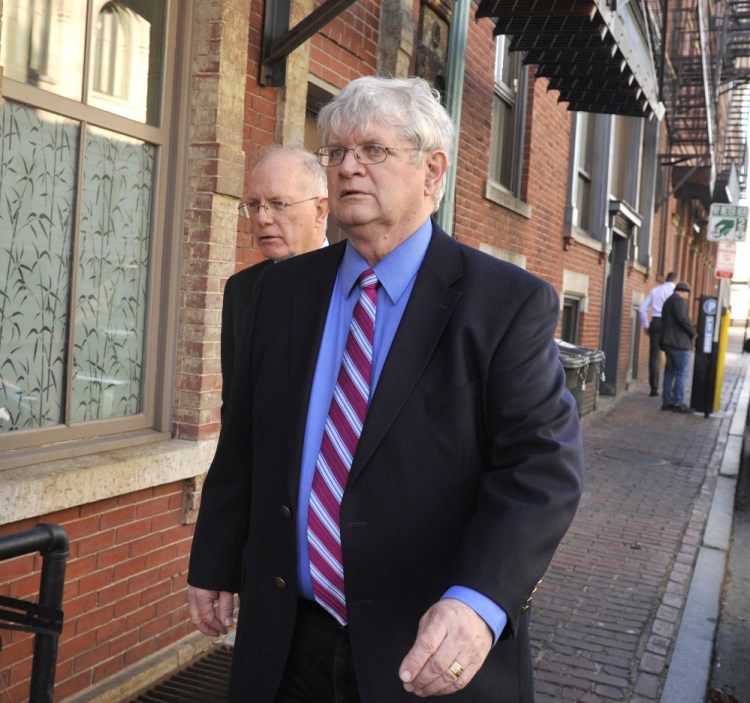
321,210
436,168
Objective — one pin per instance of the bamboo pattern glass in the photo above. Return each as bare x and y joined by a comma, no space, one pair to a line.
113,265
37,189
38,157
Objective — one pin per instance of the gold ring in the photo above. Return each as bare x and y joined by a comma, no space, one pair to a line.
456,669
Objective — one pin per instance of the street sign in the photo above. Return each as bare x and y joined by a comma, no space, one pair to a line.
726,253
727,223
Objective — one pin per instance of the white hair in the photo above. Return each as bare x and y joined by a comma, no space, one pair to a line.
409,105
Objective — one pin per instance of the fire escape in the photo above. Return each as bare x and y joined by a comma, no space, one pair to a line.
705,80
706,90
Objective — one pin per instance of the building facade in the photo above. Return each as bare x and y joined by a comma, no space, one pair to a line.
127,131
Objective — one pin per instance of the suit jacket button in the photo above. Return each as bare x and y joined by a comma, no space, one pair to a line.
286,511
280,583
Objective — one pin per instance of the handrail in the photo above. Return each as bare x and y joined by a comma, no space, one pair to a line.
46,620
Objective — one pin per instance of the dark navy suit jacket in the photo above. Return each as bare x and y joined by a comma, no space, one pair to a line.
468,471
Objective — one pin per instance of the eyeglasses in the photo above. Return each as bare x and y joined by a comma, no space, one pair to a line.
250,208
364,153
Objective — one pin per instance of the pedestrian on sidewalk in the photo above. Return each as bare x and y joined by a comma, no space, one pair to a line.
386,494
677,333
655,301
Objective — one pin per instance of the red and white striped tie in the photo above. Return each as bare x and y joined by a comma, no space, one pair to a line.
342,430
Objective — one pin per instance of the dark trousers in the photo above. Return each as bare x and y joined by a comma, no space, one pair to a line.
654,353
675,375
320,667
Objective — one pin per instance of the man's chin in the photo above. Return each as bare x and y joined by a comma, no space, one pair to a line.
274,251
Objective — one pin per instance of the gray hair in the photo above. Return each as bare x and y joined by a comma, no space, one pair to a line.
409,105
315,182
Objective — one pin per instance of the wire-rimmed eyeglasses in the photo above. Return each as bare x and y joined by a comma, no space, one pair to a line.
367,153
250,208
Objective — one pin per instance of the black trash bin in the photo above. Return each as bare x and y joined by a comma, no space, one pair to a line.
590,373
576,367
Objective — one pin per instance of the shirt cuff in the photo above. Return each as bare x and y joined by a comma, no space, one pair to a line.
484,607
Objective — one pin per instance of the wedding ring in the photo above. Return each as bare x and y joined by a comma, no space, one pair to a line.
456,669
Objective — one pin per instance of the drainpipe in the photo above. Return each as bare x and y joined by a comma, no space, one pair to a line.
454,90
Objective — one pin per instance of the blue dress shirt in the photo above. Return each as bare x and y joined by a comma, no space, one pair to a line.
396,274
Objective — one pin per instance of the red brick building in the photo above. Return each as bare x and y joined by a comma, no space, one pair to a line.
126,135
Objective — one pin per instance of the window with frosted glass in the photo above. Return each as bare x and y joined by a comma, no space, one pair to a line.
38,154
77,200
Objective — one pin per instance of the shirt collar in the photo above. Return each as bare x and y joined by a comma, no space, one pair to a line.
396,271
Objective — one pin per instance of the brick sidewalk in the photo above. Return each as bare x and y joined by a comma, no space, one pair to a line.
606,615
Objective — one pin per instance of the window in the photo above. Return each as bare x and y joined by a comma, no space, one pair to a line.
584,141
570,318
81,216
627,161
506,154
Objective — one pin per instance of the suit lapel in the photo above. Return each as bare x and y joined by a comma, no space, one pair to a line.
428,311
308,301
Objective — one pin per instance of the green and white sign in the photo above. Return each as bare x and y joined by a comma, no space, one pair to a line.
727,223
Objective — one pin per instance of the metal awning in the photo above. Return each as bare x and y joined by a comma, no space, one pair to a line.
599,59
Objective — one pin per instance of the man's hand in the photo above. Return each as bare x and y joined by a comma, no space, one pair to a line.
449,632
211,611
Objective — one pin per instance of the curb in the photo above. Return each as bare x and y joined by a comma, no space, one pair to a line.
690,667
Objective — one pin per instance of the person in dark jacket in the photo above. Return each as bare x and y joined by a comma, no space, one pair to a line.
677,332
287,205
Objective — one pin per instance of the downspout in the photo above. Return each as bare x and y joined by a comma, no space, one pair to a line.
454,90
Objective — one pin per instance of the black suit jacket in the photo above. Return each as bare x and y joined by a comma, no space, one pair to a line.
238,291
468,470
676,328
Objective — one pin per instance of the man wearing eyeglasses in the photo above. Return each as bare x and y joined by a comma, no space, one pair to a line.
287,206
401,457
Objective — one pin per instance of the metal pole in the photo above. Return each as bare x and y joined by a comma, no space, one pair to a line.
53,544
51,585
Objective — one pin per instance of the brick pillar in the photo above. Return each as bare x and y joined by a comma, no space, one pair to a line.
216,165
292,99
396,40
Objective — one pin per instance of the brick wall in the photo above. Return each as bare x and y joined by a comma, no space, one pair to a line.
347,47
544,183
124,593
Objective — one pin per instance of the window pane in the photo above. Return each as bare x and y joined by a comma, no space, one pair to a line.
503,147
43,42
506,62
583,203
113,273
126,59
585,142
38,156
620,156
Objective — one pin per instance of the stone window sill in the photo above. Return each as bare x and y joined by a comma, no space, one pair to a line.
41,489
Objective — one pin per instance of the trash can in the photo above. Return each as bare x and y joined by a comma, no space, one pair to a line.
583,366
576,367
595,374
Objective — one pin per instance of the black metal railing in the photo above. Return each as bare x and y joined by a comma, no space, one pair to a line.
45,618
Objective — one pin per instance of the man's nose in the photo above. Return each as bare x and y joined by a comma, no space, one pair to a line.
351,164
264,216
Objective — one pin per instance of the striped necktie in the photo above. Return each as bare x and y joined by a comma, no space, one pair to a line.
342,430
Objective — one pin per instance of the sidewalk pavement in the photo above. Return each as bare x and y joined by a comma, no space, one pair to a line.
629,607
